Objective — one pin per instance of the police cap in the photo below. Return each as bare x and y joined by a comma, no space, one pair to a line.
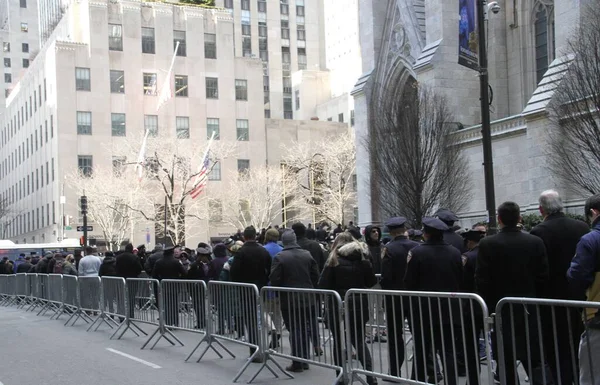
169,251
435,224
473,235
446,216
395,222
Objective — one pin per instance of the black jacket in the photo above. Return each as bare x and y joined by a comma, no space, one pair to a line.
560,235
315,249
197,271
24,267
128,265
374,248
252,264
393,264
151,261
108,267
168,268
469,264
43,265
354,270
294,267
451,238
510,264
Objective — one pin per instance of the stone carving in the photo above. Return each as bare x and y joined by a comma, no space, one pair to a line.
399,39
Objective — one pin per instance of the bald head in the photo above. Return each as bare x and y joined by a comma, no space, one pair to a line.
550,203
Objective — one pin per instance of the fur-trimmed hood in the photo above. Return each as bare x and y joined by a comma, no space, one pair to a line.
354,251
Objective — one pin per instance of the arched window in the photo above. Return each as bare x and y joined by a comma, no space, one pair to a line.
543,24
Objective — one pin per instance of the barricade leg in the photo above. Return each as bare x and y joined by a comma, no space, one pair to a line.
169,313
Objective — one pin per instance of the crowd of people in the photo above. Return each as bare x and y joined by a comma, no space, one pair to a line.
558,259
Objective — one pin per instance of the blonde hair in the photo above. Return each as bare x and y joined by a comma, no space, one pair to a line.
341,240
70,258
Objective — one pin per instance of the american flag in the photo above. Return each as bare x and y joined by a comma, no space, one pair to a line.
166,92
201,178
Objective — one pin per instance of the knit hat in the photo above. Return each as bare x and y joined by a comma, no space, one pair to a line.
220,250
288,238
203,249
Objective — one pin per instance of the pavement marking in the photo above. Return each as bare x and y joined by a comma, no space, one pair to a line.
150,364
22,317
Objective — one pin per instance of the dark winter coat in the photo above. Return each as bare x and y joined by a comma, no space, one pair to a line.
451,238
393,263
469,265
560,235
216,266
374,248
315,250
128,265
151,261
199,271
108,267
24,267
252,264
294,267
168,268
43,265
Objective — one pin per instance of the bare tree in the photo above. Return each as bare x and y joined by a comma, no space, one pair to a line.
417,165
325,172
7,216
574,150
256,197
171,168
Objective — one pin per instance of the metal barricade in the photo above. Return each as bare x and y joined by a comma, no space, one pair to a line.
21,289
54,295
39,284
89,292
27,289
433,330
300,310
548,338
11,290
70,297
183,307
4,291
234,317
143,305
114,305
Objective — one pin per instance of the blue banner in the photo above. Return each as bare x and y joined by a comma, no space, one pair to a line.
468,37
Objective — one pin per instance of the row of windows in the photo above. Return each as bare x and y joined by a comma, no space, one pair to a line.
284,7
149,79
27,147
31,184
23,114
6,47
182,126
32,220
115,41
8,63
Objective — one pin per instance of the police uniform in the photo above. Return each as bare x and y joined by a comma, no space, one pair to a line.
450,237
393,269
435,266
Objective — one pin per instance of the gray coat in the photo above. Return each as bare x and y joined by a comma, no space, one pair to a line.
294,267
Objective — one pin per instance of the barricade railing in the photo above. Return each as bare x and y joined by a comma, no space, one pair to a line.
70,295
300,310
115,307
376,331
39,287
421,326
548,338
184,307
143,301
90,296
234,317
21,289
26,289
11,282
54,295
7,288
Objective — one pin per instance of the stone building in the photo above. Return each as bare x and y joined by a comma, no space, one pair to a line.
527,42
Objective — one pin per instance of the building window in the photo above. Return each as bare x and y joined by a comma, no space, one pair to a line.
246,29
242,130
117,82
284,9
151,125
228,4
84,163
352,118
212,88
84,123
544,38
212,126
301,32
215,172
149,83
287,108
118,124
330,119
262,6
115,37
7,78
341,118
182,125
299,10
210,46
118,165
287,85
262,29
52,169
6,62
302,59
215,208
297,94
285,29
245,5
25,47
286,58
147,40
241,89
23,3
181,85
24,27
179,37
82,79
40,95
246,46
243,165
6,46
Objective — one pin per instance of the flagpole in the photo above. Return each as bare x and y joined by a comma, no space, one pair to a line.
203,157
167,82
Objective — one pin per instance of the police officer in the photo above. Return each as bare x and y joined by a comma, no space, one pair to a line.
393,269
450,237
435,266
472,238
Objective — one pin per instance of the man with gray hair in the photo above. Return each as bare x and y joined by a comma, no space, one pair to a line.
560,235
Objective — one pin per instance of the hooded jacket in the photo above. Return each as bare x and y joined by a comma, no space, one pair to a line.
374,248
108,267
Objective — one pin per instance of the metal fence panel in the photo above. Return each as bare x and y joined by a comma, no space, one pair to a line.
90,297
54,292
438,332
21,288
116,310
70,298
7,289
547,338
301,310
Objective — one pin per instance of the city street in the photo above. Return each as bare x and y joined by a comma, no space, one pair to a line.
39,351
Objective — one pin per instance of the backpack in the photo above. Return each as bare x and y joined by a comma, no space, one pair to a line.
58,266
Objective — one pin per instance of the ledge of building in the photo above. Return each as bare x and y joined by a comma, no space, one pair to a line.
511,125
360,83
426,58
